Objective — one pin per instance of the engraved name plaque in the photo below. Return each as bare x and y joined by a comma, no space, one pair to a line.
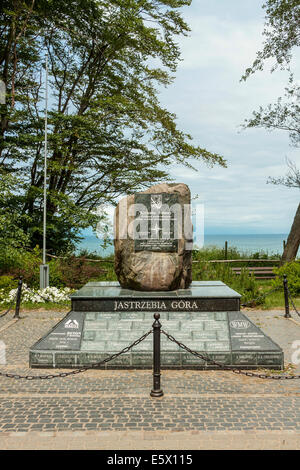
158,222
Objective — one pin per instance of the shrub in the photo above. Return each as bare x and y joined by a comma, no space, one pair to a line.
74,271
7,282
49,294
20,262
245,283
292,270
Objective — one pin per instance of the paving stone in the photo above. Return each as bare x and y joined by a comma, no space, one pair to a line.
202,401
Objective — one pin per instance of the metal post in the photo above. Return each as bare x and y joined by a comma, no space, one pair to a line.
226,249
44,276
286,297
44,268
156,391
18,299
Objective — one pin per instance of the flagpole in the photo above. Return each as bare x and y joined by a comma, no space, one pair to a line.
44,268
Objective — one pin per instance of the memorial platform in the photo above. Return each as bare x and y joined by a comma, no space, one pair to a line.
106,318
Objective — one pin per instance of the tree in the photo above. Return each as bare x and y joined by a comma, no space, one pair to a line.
291,180
11,235
282,115
108,134
282,33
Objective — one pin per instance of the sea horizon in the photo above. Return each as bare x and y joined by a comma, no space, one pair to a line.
270,243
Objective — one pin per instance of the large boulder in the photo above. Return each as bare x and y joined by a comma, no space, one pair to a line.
153,239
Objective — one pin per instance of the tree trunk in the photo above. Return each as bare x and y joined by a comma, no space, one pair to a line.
293,241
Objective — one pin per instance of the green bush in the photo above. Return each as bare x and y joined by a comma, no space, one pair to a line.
74,271
55,275
215,252
292,270
20,262
7,283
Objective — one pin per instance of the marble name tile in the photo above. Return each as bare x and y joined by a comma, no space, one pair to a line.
190,360
108,335
93,346
269,359
215,325
220,358
220,316
41,358
91,358
65,359
123,360
131,335
125,325
182,316
205,336
170,325
142,359
193,325
170,358
108,316
244,358
139,316
169,346
217,346
89,335
95,325
222,335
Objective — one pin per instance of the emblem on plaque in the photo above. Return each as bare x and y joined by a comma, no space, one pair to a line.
156,201
157,220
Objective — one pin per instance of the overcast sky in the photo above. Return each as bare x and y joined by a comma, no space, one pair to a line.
211,103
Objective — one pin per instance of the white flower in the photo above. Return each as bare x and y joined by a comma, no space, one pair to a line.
52,294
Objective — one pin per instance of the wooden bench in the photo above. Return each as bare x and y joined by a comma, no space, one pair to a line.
260,272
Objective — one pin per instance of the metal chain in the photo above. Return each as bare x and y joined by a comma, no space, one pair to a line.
82,369
292,302
10,307
262,296
223,366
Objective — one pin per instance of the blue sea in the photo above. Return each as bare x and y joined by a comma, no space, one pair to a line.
251,243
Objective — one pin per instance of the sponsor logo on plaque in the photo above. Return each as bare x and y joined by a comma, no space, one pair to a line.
240,324
72,324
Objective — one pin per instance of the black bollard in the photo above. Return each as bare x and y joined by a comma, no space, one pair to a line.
286,297
156,391
18,299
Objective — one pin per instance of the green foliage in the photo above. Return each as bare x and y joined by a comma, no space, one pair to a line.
19,262
281,34
212,252
292,271
11,235
74,272
215,252
283,115
107,133
245,283
7,283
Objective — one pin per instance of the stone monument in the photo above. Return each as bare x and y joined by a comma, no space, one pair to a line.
153,239
153,259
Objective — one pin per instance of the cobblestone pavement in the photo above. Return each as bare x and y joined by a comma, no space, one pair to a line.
111,409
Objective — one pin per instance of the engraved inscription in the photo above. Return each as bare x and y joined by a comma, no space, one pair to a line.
158,222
